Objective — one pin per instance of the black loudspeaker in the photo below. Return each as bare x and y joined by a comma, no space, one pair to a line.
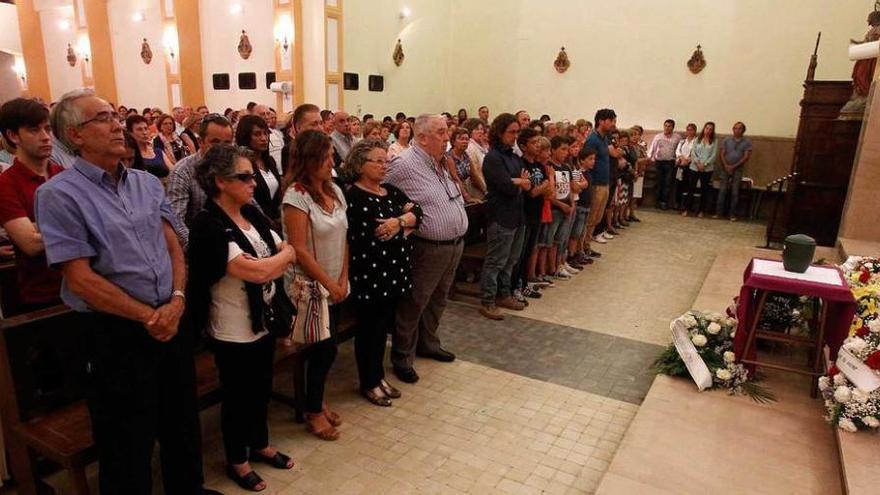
350,80
377,83
221,81
270,78
247,80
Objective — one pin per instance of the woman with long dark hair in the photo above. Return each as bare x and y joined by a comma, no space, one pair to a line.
315,224
253,133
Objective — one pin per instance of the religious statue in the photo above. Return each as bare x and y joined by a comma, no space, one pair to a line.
146,52
244,46
697,62
561,64
71,56
398,55
863,72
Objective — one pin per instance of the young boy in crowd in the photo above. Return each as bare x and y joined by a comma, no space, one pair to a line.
585,160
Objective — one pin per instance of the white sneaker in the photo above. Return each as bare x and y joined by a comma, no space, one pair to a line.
607,236
570,269
600,239
561,274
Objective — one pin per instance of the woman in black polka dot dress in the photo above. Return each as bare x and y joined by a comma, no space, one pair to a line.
379,219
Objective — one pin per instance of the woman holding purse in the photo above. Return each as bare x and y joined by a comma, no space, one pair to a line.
236,268
315,224
379,218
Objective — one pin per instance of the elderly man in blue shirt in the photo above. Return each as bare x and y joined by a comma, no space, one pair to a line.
109,230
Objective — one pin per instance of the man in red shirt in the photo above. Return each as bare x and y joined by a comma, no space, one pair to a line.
24,123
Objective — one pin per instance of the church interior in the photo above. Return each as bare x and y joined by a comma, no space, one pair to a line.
628,303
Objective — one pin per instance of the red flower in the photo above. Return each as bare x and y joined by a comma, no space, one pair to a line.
833,370
864,277
863,332
873,360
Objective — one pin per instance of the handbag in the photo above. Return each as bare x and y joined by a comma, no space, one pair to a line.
278,315
312,321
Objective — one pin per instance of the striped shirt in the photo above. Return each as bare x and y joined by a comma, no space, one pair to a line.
425,182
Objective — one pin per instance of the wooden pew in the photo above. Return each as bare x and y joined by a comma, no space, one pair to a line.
42,382
10,299
474,250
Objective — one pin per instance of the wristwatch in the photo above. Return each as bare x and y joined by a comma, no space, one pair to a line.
179,293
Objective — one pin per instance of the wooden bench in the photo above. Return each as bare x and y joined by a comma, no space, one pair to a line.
10,298
474,250
42,377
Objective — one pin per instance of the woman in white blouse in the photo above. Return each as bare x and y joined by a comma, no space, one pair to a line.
316,225
682,165
403,135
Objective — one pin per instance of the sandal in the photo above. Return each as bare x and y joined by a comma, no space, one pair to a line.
331,416
248,482
374,397
329,433
389,390
277,461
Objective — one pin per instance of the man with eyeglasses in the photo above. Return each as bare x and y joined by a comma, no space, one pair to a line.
185,195
420,171
110,231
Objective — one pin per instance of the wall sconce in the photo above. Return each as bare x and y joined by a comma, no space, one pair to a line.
236,9
84,49
64,24
284,39
169,41
405,12
137,17
20,71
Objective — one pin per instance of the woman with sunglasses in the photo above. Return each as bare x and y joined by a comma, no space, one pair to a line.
253,132
315,224
236,268
379,217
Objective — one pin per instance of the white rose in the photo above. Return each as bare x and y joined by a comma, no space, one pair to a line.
729,357
871,421
713,328
846,424
855,345
723,374
690,321
839,379
874,326
699,340
842,394
713,316
730,322
860,396
733,334
824,383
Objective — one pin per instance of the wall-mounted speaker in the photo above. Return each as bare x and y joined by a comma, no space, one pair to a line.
220,81
376,83
270,78
350,81
247,80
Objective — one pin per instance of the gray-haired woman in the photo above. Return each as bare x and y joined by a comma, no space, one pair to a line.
236,264
379,219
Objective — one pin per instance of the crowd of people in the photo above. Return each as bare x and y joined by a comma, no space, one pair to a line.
161,228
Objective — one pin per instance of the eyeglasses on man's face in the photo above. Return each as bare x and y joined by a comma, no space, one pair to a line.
101,117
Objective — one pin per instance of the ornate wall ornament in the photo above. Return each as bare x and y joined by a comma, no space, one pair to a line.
244,45
561,64
146,52
697,62
71,56
398,54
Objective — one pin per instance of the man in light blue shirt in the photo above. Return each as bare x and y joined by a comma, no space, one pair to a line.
735,153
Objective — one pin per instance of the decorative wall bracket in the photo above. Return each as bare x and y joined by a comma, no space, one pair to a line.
71,56
697,62
561,64
398,55
244,45
146,52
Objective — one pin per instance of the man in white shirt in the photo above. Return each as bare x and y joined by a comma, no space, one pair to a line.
341,137
662,155
179,115
276,137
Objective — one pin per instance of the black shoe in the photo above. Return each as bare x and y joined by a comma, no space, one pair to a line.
277,461
248,481
406,375
389,390
379,400
441,355
595,254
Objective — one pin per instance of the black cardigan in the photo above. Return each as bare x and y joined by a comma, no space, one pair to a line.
208,254
271,205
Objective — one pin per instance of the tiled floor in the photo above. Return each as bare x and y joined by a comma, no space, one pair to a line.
538,403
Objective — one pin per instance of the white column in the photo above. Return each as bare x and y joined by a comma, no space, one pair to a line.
313,48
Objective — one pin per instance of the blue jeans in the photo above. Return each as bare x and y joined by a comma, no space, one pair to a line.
732,182
503,249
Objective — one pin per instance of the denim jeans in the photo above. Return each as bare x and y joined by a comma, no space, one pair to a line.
732,182
503,248
665,170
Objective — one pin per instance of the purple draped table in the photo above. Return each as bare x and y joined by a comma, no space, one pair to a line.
824,282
